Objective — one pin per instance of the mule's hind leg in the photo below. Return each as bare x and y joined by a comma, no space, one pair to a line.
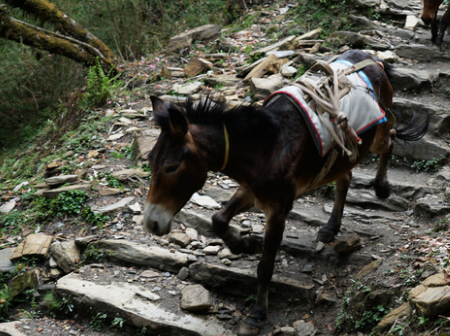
327,232
241,201
383,145
445,22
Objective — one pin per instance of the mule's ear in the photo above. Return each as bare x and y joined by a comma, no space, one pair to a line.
178,121
158,106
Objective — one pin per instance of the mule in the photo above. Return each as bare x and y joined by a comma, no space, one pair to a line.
270,152
429,15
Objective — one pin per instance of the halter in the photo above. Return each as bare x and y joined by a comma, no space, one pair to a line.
227,147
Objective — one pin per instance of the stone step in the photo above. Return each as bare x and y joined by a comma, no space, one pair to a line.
10,329
137,305
143,255
408,190
239,281
439,116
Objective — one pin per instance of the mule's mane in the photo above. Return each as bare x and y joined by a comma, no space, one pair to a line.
206,111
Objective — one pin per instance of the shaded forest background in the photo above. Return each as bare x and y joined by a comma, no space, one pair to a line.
36,85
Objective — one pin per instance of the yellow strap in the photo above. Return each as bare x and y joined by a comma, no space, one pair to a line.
227,147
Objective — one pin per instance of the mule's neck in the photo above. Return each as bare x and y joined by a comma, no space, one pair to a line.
213,142
240,156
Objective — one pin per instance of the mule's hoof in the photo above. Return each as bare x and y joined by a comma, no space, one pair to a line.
325,236
249,327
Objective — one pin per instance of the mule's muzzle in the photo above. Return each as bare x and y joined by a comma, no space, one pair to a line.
427,21
158,229
157,220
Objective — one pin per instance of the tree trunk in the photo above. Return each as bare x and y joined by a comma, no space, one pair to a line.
21,32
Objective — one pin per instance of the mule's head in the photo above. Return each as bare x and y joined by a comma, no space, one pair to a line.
178,168
429,10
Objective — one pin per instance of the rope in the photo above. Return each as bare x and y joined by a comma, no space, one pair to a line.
227,147
326,97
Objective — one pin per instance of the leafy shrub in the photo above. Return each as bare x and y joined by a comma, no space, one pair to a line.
100,86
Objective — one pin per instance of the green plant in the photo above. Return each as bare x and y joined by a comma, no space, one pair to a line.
125,152
372,316
300,71
442,224
117,322
5,299
30,315
432,165
100,86
251,299
94,218
95,254
113,182
98,321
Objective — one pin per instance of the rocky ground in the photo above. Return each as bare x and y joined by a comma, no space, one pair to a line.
115,279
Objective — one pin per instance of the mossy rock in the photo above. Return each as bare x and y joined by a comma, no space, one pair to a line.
21,282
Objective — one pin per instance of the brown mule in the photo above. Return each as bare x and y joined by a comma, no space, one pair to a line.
429,15
272,155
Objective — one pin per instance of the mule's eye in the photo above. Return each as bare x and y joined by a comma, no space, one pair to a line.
172,168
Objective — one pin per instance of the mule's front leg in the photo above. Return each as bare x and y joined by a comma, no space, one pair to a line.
327,232
241,201
272,240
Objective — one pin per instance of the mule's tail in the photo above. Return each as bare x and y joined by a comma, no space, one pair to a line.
416,127
414,130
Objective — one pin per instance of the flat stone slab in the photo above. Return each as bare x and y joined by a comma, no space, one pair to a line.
66,254
5,263
128,300
115,206
139,172
53,193
239,281
61,179
402,189
140,254
9,329
195,297
33,245
8,206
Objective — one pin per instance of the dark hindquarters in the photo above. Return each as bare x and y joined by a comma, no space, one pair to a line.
445,22
377,139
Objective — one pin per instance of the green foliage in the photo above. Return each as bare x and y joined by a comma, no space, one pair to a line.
67,203
98,321
124,153
442,224
95,254
429,165
251,299
100,87
113,182
371,317
5,300
300,71
12,222
117,323
244,22
94,218
321,13
28,99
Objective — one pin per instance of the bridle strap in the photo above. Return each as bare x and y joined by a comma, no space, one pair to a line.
227,147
